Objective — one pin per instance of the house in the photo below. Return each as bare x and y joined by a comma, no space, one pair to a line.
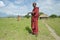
43,16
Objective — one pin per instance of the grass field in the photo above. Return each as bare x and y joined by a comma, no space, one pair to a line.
55,24
11,29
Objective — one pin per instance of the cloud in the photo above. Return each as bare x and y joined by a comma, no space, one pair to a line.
19,1
12,9
2,4
45,3
49,6
22,7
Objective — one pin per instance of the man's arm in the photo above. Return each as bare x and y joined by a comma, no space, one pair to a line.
30,13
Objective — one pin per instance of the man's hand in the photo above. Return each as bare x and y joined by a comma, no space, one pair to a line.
33,28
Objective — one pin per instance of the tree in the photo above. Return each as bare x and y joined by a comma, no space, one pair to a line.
41,13
27,16
53,16
58,16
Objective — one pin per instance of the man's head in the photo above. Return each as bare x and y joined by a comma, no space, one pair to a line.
34,4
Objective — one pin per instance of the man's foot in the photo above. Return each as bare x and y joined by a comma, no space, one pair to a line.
35,34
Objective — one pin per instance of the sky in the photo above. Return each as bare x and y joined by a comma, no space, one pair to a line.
22,7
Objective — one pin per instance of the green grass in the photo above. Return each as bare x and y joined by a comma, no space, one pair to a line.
55,24
11,29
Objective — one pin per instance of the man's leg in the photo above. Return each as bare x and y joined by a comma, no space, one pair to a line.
36,26
32,26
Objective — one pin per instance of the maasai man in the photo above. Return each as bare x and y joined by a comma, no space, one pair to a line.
34,19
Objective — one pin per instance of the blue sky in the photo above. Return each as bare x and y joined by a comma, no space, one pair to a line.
22,7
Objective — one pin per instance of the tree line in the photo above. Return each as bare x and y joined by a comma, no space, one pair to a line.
40,13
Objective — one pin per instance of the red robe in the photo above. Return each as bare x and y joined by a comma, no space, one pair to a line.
34,20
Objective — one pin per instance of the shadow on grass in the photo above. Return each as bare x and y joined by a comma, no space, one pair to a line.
28,29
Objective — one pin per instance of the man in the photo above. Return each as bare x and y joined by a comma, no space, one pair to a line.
34,19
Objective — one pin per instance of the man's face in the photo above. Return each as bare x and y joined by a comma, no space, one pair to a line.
34,4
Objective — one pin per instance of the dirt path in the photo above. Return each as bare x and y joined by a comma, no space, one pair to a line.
52,31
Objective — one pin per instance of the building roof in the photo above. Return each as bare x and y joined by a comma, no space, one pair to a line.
43,15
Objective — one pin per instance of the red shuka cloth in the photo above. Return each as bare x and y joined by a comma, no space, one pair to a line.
34,20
